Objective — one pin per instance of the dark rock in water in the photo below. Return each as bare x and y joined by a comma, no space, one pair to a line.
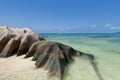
52,56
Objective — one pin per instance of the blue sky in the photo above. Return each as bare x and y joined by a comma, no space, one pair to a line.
62,16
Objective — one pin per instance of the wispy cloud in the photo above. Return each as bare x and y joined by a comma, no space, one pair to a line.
93,26
108,25
115,27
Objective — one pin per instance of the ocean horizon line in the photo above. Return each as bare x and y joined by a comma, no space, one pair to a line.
76,33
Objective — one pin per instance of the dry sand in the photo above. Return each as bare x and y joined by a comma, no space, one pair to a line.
18,68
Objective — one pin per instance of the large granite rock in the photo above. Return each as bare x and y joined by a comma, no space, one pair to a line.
52,56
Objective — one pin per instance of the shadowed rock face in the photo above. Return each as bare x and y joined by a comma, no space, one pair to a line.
52,56
16,41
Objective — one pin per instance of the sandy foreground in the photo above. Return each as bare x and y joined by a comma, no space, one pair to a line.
18,68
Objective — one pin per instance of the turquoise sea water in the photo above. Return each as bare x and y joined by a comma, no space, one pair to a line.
105,48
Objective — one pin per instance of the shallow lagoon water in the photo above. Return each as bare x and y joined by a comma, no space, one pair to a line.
105,48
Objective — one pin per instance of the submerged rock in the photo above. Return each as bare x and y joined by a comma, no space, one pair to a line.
52,56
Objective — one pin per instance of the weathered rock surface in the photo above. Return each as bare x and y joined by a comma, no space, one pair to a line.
52,56
16,41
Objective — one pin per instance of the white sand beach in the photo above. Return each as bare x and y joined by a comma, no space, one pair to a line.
18,68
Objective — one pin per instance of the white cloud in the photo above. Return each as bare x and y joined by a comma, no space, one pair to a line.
115,27
93,26
108,25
